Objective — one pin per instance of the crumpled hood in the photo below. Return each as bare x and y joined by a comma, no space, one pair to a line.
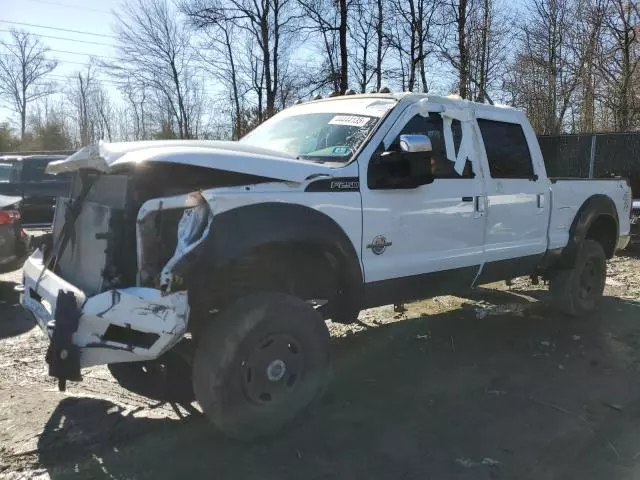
229,156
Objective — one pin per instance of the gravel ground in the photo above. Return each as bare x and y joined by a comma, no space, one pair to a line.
496,385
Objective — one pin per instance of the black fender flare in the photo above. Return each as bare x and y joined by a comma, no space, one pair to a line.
592,208
234,233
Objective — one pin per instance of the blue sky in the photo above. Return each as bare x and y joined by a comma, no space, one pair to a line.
73,50
87,16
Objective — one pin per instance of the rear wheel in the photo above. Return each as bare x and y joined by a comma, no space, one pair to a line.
578,291
260,363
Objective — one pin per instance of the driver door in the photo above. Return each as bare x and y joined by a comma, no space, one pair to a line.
428,240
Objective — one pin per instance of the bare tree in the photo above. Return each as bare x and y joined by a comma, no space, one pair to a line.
330,21
413,40
79,95
369,41
380,41
453,44
591,14
362,42
619,62
23,64
153,51
265,24
220,55
137,98
549,64
489,36
104,114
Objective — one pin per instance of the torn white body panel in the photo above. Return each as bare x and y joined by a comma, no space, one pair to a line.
141,310
193,228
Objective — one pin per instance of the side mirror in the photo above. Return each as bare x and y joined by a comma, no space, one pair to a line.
415,143
405,169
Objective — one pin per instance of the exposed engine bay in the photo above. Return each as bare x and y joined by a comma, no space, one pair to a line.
108,284
135,225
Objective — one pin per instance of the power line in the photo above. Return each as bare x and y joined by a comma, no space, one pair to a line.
57,60
70,53
56,28
88,9
82,53
65,38
108,81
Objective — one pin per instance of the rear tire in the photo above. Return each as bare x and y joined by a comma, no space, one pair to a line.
578,291
260,363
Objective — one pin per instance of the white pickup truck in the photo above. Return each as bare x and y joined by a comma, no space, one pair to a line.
236,252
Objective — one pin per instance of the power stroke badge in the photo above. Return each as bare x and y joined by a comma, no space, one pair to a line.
379,245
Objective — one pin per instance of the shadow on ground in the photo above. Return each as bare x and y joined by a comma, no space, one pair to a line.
13,320
533,395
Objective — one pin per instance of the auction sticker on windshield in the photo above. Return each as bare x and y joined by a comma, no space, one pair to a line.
350,120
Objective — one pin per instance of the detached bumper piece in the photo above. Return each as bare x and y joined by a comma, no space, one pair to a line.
62,355
132,324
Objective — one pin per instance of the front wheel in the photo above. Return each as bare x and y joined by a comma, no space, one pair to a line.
260,363
578,291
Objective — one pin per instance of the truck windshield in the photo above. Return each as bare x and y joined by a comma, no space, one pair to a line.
320,137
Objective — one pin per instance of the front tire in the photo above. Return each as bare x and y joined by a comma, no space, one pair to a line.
260,363
578,291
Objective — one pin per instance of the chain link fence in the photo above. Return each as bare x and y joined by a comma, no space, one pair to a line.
593,156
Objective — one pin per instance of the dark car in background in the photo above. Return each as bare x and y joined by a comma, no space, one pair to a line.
14,242
24,176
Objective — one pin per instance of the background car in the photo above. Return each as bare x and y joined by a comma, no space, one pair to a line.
25,177
14,242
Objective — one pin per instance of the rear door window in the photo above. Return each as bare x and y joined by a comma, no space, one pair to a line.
507,149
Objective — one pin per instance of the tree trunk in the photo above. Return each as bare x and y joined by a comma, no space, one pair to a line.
23,106
412,47
274,60
462,48
237,124
344,56
365,67
266,61
379,33
181,115
482,80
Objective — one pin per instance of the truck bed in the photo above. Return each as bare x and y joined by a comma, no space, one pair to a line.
569,194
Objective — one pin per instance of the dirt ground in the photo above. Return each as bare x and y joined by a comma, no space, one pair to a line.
496,385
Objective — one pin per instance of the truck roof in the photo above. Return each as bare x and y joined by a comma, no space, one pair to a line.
409,97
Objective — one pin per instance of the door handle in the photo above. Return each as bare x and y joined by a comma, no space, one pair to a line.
467,199
540,200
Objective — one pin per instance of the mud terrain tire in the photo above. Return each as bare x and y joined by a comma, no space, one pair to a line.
260,363
578,291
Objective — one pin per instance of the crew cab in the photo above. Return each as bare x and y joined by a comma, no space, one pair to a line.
240,250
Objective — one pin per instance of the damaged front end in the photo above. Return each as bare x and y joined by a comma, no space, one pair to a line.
109,286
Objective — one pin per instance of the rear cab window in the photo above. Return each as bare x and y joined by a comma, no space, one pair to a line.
507,150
